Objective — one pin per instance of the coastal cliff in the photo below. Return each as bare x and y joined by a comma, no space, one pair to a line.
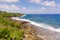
15,30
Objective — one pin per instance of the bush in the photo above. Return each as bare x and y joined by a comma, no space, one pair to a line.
9,28
4,33
11,34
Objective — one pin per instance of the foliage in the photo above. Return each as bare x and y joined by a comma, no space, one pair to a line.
9,29
11,33
5,14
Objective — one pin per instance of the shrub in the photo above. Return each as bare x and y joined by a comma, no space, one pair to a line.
9,28
4,33
11,34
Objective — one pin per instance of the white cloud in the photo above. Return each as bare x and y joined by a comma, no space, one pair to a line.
9,1
35,1
14,8
53,11
53,7
58,5
9,8
36,11
41,9
26,10
49,3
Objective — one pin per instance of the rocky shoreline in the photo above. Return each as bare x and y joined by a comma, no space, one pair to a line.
40,33
29,32
46,34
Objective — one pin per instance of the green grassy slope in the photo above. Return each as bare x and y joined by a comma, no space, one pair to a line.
15,30
9,29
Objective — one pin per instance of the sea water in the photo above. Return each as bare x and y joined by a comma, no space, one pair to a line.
49,21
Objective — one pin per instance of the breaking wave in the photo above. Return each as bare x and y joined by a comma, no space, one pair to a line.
43,25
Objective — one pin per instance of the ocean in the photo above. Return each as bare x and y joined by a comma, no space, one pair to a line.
49,21
47,26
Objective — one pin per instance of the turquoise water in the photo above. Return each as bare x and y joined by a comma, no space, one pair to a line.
49,19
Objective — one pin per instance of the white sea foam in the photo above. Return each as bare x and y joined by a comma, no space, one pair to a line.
38,24
23,15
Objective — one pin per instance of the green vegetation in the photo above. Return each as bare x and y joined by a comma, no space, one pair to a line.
10,34
13,29
5,14
10,29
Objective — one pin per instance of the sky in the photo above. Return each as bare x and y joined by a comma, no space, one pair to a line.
31,6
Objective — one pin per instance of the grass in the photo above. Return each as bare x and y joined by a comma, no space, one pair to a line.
9,29
11,33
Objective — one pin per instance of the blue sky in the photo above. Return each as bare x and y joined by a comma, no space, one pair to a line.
31,6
